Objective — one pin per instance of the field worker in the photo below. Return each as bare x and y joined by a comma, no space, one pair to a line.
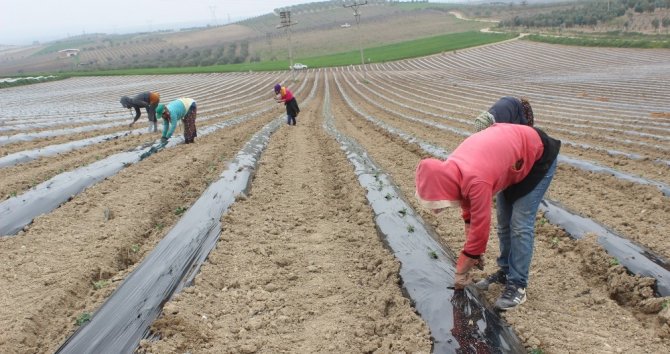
181,108
148,100
283,94
515,163
506,110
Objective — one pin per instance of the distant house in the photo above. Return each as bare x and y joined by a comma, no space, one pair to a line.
345,25
67,53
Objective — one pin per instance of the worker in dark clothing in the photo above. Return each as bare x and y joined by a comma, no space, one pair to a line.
148,100
514,110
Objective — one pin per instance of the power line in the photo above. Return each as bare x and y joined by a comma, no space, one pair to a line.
286,23
357,15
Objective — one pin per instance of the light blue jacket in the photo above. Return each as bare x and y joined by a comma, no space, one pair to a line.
178,109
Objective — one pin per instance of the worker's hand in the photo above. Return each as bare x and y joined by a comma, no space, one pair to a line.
480,264
463,266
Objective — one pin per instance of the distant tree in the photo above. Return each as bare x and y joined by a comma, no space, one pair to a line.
655,23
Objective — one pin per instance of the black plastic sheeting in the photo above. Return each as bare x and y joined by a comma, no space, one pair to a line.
587,166
9,139
124,319
635,258
29,155
19,211
458,320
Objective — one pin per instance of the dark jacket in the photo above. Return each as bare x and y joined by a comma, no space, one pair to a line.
148,100
540,167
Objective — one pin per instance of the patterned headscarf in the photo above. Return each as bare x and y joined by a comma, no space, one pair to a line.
527,110
483,121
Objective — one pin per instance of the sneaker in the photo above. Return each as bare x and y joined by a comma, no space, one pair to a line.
498,277
512,297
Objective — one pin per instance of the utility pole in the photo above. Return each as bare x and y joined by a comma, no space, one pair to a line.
357,15
286,23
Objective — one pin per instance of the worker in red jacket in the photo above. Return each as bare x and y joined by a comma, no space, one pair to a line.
284,95
516,163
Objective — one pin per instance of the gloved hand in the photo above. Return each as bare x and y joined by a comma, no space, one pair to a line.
463,266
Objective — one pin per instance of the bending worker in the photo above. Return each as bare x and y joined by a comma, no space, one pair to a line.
516,163
506,110
148,100
183,109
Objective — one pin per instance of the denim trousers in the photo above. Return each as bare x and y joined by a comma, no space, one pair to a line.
516,230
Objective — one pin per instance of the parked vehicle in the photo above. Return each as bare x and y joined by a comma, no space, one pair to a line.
298,66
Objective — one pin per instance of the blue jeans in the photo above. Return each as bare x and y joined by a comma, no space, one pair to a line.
516,230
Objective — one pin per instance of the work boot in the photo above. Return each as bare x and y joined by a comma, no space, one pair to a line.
512,297
498,277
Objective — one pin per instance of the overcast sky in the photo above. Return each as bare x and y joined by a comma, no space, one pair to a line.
24,21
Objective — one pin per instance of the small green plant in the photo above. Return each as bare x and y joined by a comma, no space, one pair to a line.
403,212
543,221
665,304
135,248
12,194
410,228
614,262
432,254
180,210
97,285
83,318
536,351
554,242
159,226
388,196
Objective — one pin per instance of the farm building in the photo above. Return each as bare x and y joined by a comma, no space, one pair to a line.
67,53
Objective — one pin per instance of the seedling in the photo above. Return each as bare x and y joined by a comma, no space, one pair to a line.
536,351
410,228
97,285
614,261
135,248
432,254
13,194
388,196
83,318
159,226
180,210
665,304
403,212
554,242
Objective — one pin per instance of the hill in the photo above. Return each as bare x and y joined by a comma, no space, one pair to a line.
323,28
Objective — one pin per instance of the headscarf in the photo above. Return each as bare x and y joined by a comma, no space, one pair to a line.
160,109
527,110
125,102
277,88
483,121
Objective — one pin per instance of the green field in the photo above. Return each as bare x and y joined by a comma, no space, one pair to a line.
404,50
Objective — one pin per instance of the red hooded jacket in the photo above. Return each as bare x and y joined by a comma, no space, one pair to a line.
481,166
